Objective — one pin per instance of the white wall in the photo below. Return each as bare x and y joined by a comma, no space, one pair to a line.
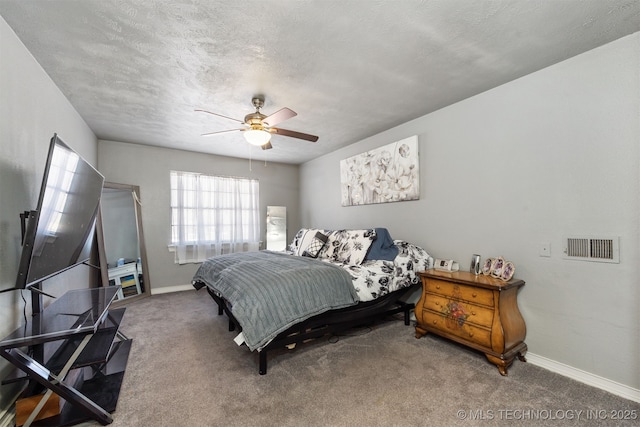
554,153
32,109
149,167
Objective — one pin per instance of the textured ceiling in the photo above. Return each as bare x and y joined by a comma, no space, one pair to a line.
136,70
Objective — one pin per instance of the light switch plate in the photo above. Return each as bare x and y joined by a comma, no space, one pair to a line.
545,249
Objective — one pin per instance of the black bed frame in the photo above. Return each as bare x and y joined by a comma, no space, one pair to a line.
332,321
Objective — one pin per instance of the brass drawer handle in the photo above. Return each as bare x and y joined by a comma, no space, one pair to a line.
437,286
474,294
435,322
437,303
470,334
473,313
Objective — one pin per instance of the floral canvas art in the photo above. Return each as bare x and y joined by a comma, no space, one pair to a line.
386,174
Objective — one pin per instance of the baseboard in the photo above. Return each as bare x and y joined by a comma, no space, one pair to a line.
585,377
7,418
169,289
8,415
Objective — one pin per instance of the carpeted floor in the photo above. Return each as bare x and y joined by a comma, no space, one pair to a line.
185,370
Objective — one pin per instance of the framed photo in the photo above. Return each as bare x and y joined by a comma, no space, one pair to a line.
486,267
497,267
508,271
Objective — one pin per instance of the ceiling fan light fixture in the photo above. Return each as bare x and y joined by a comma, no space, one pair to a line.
259,127
257,137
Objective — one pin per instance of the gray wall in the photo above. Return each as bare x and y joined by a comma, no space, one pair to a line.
552,154
32,109
148,167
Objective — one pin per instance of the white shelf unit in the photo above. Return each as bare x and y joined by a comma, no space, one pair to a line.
127,277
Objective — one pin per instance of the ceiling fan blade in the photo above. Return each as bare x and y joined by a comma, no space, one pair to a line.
220,115
267,146
294,134
279,116
219,132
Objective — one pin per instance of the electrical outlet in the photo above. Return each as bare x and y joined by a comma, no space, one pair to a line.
545,249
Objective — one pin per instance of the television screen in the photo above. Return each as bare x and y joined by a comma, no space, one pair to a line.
59,233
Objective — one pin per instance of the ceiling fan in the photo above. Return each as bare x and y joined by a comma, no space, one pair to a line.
259,127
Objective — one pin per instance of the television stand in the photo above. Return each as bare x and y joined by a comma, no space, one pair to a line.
75,351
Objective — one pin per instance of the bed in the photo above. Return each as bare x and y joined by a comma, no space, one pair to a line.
327,281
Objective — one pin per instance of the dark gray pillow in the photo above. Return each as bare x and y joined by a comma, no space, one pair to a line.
383,247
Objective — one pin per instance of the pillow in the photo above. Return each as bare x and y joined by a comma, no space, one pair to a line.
351,246
316,245
297,239
327,251
303,240
383,247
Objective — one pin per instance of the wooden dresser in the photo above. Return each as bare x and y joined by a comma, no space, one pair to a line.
480,312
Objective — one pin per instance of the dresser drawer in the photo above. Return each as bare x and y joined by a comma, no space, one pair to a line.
464,330
459,308
454,290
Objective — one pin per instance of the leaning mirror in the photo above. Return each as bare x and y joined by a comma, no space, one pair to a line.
276,228
121,247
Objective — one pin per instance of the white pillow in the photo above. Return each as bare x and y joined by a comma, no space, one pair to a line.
349,246
295,243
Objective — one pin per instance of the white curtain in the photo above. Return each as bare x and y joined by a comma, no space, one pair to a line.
213,215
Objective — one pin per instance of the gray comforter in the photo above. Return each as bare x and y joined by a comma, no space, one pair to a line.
270,291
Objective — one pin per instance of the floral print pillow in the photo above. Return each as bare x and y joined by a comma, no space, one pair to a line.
348,246
295,243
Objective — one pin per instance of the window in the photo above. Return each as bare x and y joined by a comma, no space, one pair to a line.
213,215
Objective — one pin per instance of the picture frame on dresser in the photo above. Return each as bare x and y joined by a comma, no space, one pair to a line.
508,271
497,266
486,267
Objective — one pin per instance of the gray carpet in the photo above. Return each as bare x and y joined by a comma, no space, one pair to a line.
185,370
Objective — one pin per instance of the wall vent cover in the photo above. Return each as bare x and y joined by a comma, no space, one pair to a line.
598,249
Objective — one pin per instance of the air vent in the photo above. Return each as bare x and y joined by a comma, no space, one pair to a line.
598,249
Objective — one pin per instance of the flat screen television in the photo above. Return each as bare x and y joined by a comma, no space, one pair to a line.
59,234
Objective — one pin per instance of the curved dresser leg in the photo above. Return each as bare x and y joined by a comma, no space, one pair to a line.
501,364
521,354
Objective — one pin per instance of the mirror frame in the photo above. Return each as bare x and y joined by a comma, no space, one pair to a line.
283,210
102,256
